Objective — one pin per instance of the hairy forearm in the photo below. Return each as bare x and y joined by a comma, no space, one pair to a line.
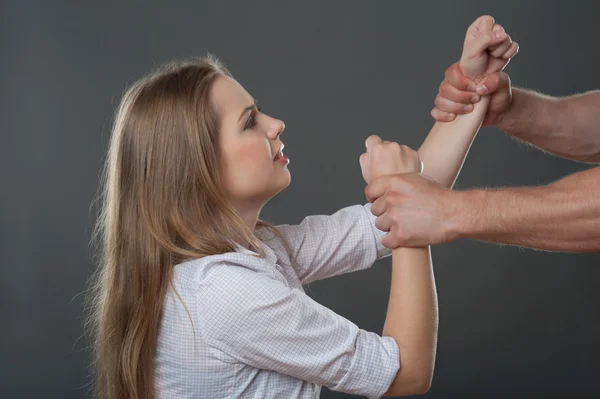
413,319
444,150
562,216
567,126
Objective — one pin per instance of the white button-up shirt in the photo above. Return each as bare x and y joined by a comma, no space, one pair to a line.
248,330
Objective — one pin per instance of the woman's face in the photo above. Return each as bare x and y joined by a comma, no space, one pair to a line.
251,170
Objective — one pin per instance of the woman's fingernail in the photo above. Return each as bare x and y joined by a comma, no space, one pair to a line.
482,90
451,117
468,108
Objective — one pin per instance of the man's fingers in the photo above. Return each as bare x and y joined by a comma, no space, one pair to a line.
383,222
378,187
455,77
502,98
378,206
452,93
442,116
450,106
391,240
492,83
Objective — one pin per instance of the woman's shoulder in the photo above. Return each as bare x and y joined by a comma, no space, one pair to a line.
193,273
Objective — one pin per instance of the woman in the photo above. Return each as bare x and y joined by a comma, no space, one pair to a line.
197,297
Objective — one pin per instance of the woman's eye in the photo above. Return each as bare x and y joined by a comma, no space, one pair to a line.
251,121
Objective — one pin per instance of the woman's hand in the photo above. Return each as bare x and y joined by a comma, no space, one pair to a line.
387,158
487,49
486,52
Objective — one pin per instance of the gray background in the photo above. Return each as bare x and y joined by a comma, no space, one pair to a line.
514,323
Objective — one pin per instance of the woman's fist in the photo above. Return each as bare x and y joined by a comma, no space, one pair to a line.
387,158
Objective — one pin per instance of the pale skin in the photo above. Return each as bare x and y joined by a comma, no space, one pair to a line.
249,143
561,216
415,327
251,176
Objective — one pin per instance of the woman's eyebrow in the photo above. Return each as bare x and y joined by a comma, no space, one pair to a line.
248,108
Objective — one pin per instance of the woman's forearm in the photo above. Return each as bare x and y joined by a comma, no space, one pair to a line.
412,320
444,150
412,316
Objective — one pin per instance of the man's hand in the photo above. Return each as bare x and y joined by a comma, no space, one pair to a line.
414,210
457,94
486,52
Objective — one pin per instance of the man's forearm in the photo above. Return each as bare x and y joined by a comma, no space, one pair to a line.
567,126
563,216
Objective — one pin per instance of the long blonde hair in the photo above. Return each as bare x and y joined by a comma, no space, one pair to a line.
161,203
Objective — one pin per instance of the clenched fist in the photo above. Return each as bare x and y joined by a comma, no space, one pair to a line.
387,158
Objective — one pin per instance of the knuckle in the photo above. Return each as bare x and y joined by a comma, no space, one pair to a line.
494,80
394,215
394,198
487,18
448,72
443,90
395,181
402,235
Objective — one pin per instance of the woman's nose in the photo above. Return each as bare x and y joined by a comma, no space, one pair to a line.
277,128
281,129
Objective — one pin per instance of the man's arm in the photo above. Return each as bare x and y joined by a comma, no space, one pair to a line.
562,216
565,126
412,315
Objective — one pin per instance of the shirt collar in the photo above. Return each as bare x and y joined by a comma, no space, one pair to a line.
269,253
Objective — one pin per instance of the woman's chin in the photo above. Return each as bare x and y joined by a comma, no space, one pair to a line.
282,185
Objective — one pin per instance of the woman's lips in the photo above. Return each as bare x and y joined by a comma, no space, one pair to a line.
283,159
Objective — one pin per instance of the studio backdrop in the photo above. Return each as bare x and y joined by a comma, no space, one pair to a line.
514,323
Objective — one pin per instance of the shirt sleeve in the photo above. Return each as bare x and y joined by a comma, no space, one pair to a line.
324,246
261,322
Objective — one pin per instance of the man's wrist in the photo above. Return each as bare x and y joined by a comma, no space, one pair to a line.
503,119
465,211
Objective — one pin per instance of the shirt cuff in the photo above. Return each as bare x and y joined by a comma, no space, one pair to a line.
374,367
